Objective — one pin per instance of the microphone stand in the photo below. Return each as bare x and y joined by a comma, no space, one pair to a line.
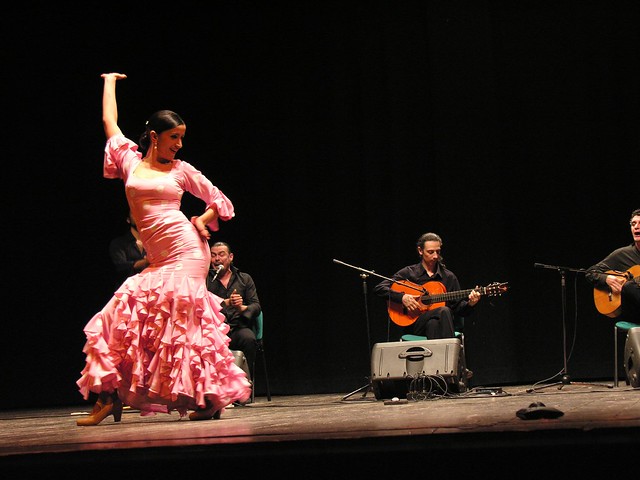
565,379
364,275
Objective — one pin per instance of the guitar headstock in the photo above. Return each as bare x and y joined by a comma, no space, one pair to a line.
496,288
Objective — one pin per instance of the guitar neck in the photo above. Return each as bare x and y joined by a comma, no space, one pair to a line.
448,296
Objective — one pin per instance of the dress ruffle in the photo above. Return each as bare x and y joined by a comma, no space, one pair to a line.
161,343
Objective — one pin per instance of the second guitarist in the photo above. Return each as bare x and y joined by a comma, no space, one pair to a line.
615,278
432,323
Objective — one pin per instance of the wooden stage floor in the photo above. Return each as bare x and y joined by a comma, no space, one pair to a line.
477,433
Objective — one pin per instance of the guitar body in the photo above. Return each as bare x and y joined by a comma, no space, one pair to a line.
609,303
399,314
432,295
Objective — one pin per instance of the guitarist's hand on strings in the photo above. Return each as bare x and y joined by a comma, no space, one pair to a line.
411,303
616,282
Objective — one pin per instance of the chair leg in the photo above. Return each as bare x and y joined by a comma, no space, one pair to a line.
253,381
266,376
615,352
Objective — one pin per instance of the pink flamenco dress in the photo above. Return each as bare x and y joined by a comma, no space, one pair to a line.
161,341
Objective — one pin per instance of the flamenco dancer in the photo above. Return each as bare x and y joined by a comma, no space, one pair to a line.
160,343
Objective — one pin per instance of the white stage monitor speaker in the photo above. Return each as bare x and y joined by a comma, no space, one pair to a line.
632,357
396,367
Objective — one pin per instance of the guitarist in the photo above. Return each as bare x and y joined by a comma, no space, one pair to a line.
437,322
622,260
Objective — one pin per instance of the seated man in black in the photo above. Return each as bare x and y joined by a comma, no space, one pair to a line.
240,304
433,323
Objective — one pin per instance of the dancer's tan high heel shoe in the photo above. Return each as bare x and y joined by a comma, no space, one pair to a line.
106,405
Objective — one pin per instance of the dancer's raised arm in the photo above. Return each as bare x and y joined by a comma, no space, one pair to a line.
109,104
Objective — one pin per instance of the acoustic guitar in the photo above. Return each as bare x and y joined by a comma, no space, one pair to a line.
433,295
607,302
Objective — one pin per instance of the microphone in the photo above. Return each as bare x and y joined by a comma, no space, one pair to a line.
550,267
218,269
540,265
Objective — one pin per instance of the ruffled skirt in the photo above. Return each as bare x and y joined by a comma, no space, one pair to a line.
161,343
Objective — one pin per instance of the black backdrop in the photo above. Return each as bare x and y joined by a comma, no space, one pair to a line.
340,130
